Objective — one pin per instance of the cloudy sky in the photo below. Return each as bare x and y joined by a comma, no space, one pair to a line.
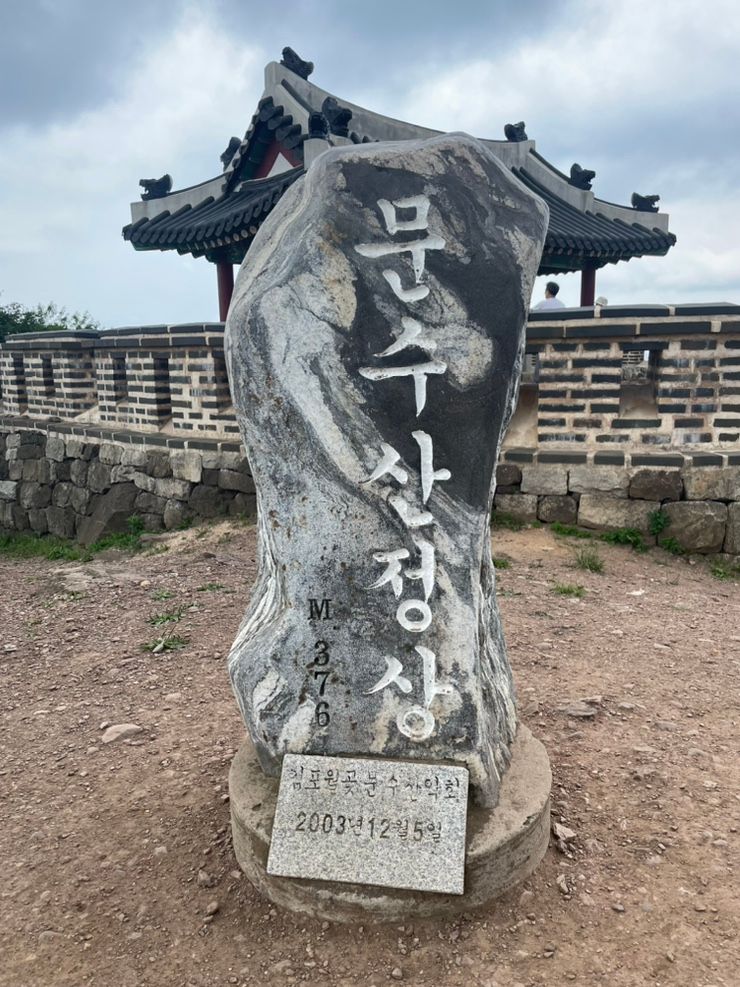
95,94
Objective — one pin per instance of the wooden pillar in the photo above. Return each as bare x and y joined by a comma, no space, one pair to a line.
588,286
225,278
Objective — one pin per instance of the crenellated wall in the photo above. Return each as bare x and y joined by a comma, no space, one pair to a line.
629,388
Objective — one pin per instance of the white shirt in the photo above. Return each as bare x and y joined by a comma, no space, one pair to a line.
548,303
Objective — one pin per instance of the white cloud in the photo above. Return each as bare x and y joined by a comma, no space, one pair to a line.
66,188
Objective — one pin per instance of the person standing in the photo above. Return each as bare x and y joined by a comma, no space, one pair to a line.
551,299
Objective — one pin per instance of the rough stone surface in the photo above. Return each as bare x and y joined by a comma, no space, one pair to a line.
55,448
109,512
612,480
656,485
208,501
171,489
361,354
544,480
175,514
712,484
232,480
732,537
697,526
508,475
61,521
611,513
98,476
110,454
34,495
562,509
504,845
186,465
120,731
8,489
407,844
523,507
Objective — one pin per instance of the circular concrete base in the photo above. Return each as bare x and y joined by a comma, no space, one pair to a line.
504,845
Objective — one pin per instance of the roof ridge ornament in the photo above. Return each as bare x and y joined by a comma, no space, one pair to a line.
294,63
231,149
581,177
515,132
338,116
155,188
644,203
318,127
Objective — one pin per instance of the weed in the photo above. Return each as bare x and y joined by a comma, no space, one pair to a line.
658,521
502,563
500,519
136,525
168,617
588,558
626,536
210,587
186,523
569,530
725,570
670,545
168,642
568,589
22,545
162,594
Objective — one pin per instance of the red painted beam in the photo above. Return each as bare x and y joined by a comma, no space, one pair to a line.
225,278
588,286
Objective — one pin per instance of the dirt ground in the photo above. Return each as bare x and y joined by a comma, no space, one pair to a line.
112,854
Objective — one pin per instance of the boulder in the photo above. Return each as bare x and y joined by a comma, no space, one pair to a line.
551,508
522,507
78,472
33,495
175,514
544,480
662,485
712,482
613,513
208,501
232,480
61,521
508,475
697,526
732,538
8,489
108,512
612,480
98,476
110,454
373,342
55,448
186,465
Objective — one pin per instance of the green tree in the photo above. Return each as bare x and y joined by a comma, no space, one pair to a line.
14,318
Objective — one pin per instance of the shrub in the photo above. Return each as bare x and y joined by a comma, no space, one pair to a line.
658,521
568,589
626,536
588,558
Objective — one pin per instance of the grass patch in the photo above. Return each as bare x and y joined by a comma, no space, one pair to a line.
588,558
569,530
670,545
569,589
168,642
502,563
725,570
169,617
162,594
210,587
506,522
23,545
626,536
658,521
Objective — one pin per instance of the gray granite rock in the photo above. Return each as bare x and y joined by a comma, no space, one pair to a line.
375,341
612,513
656,485
545,480
697,526
553,508
612,480
732,538
523,507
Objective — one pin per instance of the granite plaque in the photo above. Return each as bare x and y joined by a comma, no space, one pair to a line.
398,824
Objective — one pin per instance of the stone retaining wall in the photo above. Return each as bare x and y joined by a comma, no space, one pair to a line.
702,504
84,486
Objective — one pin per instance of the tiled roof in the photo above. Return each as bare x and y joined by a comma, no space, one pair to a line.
574,236
233,217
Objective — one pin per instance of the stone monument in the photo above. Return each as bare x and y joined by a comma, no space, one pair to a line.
374,343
